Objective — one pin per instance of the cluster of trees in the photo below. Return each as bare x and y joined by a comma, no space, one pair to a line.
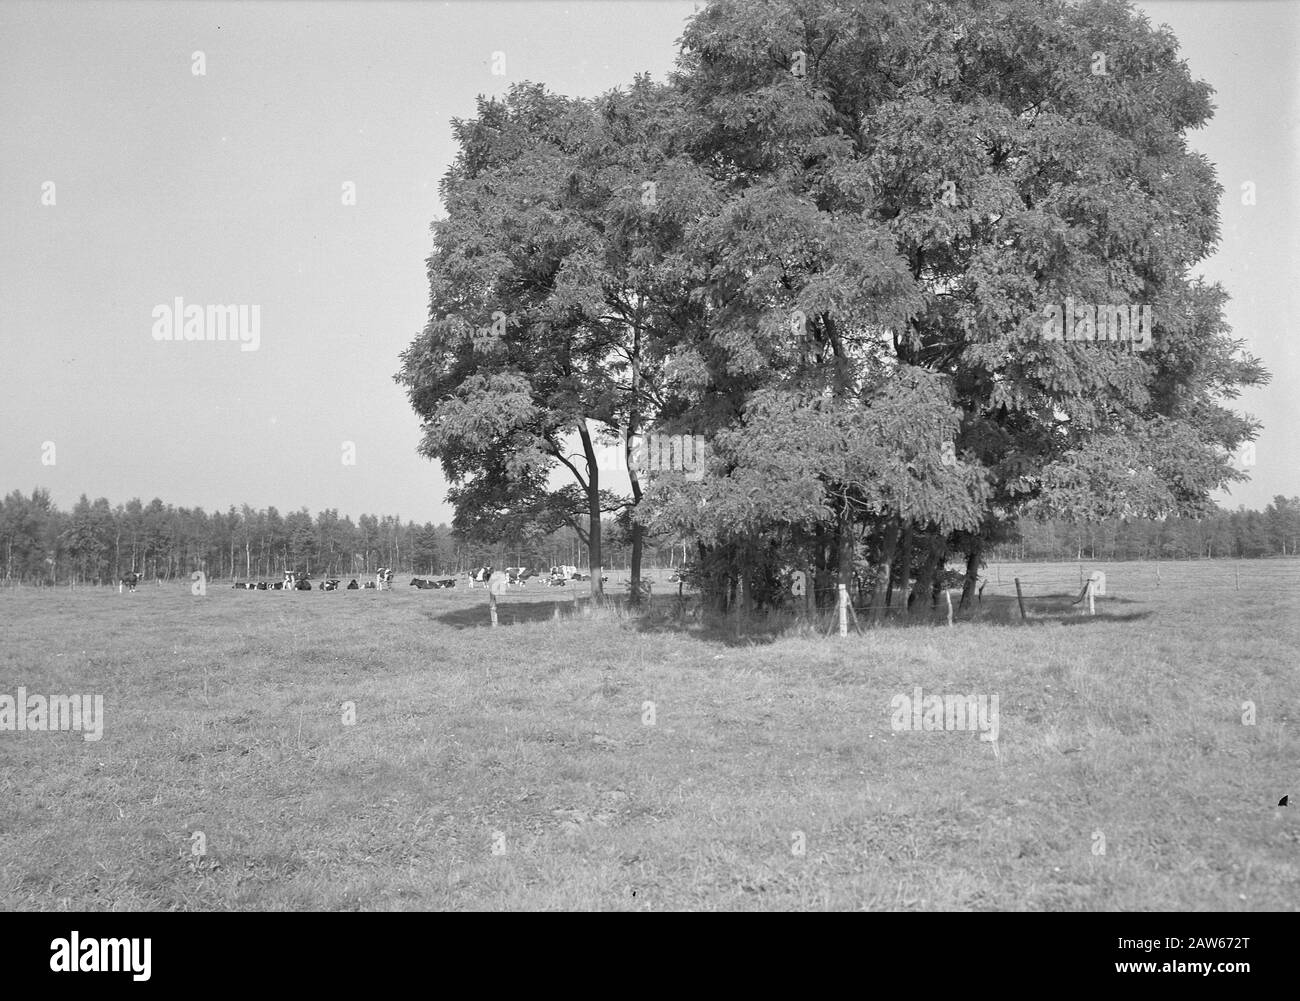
1238,534
96,542
827,245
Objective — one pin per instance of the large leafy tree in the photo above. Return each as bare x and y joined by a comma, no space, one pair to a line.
920,181
553,279
862,212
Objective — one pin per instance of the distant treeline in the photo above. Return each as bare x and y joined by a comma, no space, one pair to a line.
96,542
1240,534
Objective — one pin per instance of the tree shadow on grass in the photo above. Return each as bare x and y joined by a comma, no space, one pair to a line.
509,613
1061,608
666,614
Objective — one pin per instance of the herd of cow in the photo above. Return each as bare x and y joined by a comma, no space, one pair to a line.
299,581
517,576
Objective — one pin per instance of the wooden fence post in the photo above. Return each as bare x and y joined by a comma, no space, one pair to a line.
1092,608
1020,601
492,607
947,593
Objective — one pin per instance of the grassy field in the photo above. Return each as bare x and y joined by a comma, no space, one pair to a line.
520,768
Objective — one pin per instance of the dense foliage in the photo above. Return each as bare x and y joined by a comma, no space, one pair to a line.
827,246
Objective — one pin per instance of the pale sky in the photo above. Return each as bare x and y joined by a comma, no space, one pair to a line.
228,188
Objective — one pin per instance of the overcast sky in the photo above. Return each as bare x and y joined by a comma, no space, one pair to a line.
228,187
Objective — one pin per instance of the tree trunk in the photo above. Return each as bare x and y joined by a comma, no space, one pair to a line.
593,513
883,571
972,574
742,573
925,581
638,535
905,567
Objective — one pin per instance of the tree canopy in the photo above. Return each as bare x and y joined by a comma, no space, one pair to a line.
828,245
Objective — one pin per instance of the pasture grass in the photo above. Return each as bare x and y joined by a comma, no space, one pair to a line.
514,768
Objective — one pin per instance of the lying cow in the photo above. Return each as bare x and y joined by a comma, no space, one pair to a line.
353,585
330,585
370,586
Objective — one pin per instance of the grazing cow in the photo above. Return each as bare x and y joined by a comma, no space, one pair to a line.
129,581
353,585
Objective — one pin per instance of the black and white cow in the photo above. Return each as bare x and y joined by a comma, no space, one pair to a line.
330,585
480,576
129,581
